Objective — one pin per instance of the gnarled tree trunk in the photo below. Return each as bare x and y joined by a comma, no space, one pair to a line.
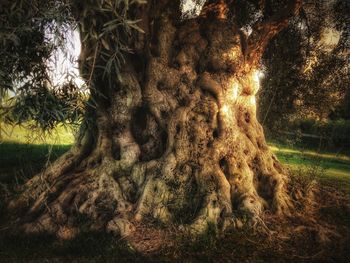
173,137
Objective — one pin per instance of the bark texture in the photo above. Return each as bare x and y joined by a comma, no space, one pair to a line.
174,137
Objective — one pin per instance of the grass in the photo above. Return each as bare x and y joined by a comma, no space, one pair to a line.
24,152
334,167
61,135
19,161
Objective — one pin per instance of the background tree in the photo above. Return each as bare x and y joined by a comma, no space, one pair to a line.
310,78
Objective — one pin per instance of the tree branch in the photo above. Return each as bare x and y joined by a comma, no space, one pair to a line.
264,31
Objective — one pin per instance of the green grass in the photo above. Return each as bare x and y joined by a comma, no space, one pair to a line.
24,152
19,161
334,168
29,135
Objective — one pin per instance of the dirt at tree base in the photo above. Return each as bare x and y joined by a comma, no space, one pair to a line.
149,238
319,234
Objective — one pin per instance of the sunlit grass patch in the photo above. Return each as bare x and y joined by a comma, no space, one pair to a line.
310,153
30,135
336,167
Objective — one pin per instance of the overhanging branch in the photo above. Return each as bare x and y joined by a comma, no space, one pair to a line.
264,31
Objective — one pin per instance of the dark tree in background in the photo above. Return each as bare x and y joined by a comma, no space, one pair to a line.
307,67
170,129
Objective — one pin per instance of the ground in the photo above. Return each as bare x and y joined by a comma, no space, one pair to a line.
323,239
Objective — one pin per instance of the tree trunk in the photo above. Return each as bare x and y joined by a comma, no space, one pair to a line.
174,137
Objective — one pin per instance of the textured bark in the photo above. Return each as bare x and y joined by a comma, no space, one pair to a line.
174,137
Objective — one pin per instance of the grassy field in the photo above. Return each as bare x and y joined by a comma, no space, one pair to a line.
331,168
24,152
33,136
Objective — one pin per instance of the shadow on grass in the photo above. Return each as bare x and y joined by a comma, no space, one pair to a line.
19,162
87,247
